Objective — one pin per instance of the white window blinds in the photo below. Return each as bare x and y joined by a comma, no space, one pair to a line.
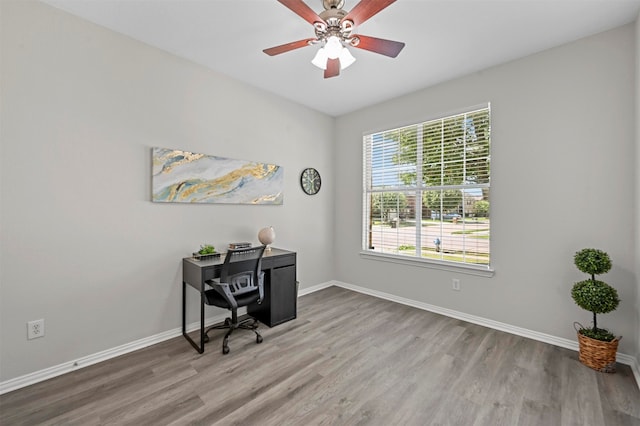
426,189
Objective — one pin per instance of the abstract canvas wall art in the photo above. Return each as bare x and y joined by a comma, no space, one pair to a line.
187,177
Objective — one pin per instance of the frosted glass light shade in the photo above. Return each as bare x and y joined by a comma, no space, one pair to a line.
333,47
346,58
320,60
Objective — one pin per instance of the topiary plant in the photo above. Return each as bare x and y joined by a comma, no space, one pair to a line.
594,295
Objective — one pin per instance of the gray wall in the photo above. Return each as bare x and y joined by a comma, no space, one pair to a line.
82,246
563,170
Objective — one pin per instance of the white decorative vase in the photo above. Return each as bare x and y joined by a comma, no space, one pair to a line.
266,236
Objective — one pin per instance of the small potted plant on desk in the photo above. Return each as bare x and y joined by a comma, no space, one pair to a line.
598,346
207,251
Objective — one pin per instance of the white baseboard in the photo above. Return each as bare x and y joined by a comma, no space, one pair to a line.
496,325
315,288
67,367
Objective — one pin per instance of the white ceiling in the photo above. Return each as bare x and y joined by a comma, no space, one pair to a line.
444,39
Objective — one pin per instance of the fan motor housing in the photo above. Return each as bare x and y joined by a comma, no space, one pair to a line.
336,14
333,25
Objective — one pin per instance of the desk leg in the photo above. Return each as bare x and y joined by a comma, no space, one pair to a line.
184,308
200,348
201,321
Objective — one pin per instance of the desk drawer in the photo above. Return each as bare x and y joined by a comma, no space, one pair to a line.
278,262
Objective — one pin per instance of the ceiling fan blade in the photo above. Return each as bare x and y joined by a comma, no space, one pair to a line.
272,51
301,9
379,45
365,10
333,68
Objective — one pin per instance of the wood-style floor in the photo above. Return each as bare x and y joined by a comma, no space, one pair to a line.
349,359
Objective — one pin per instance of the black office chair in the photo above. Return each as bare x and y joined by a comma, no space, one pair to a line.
241,283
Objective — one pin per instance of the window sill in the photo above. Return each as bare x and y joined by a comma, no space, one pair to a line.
480,271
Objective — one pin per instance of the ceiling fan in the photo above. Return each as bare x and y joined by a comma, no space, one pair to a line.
334,29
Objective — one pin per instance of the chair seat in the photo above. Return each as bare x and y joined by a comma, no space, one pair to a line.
212,297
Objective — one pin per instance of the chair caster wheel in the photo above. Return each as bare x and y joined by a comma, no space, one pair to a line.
258,339
225,350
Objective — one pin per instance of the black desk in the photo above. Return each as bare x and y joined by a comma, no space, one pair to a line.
280,290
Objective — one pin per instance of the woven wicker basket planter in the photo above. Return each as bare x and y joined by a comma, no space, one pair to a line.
599,355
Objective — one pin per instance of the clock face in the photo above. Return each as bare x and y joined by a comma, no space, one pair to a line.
310,181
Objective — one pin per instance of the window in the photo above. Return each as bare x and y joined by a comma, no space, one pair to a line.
426,190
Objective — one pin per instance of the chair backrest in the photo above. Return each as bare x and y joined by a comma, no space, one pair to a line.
242,268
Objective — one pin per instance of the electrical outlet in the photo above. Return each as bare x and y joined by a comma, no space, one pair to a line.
35,329
455,284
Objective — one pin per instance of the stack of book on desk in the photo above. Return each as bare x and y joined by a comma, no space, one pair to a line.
234,246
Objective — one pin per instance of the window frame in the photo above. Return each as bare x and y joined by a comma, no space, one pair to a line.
420,187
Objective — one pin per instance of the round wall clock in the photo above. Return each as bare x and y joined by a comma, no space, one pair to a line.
310,181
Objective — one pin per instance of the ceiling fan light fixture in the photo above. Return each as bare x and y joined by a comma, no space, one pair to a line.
320,60
334,29
346,58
